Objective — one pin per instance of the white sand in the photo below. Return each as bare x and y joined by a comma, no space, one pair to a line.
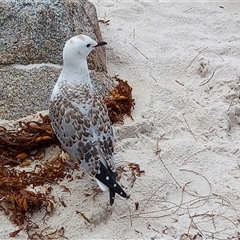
183,62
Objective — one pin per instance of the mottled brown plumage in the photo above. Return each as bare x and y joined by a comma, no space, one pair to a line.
79,133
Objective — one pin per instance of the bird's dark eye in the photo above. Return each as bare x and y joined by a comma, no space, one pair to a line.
88,45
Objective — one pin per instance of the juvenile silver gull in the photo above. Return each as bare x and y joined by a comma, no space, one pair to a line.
80,118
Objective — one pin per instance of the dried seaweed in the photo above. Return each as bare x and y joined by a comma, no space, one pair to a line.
83,216
135,169
17,201
46,233
120,101
30,140
135,172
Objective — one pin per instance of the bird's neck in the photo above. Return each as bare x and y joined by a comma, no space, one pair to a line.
76,73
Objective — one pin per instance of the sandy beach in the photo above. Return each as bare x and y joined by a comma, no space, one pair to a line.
183,63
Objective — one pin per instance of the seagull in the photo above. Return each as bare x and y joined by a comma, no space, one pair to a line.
79,117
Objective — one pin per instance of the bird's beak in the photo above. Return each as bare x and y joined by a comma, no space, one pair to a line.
100,44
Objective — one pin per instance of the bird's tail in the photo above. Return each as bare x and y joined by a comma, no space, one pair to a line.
108,178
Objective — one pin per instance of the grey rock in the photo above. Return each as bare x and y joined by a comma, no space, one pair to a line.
34,31
27,91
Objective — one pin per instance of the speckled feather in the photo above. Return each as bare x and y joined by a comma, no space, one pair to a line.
82,125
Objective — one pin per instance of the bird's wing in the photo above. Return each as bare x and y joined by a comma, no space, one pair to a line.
84,131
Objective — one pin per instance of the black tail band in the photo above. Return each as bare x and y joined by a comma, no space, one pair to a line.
107,177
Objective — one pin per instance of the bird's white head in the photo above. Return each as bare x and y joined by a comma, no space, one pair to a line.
79,47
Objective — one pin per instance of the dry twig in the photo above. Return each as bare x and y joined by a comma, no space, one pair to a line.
189,128
139,50
208,79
